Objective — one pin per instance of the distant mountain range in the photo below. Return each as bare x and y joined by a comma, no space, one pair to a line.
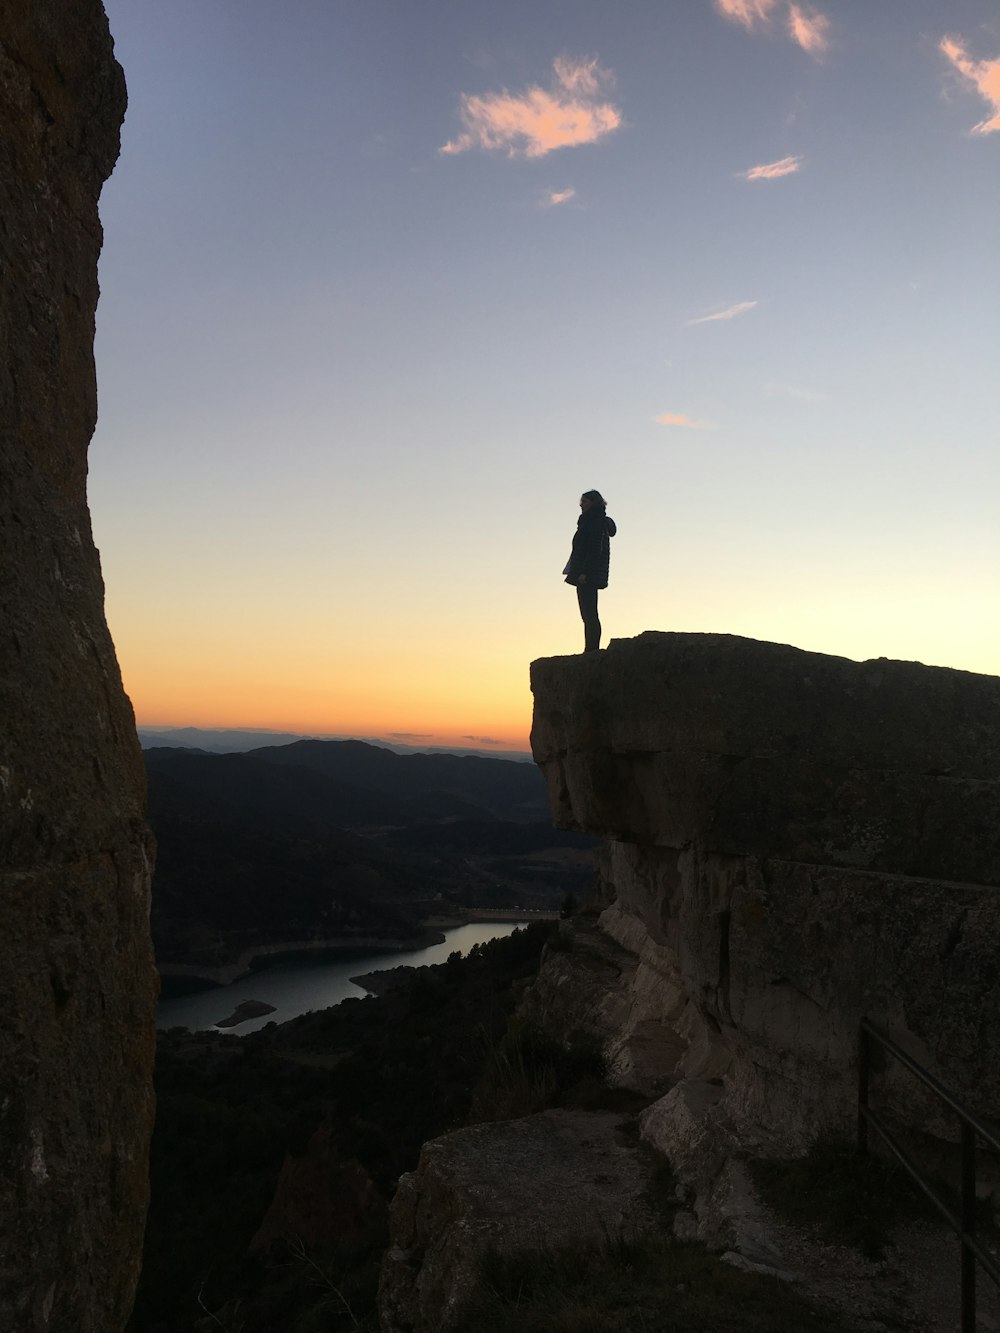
239,740
341,840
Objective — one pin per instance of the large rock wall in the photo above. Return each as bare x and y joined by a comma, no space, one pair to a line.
76,978
794,841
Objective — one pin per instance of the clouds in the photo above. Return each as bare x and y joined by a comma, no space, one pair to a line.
556,197
810,29
770,171
729,313
747,12
580,78
540,120
679,419
984,75
807,27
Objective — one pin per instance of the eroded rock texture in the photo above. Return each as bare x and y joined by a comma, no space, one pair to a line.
76,975
543,1182
794,841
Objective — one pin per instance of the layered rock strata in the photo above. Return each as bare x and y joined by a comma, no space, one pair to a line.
794,841
76,975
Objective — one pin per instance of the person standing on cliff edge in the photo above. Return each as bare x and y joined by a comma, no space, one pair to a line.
587,567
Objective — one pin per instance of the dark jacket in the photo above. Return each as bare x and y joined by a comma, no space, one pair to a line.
591,552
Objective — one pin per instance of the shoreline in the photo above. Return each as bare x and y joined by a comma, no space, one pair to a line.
385,979
224,974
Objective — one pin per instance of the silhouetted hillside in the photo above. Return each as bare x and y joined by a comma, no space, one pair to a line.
331,840
237,740
503,788
244,789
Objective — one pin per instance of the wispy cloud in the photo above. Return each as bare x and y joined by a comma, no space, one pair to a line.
540,120
556,197
747,12
984,75
580,78
729,313
485,740
679,419
809,28
771,171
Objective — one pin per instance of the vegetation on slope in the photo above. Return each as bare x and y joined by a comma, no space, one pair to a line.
377,1076
265,1144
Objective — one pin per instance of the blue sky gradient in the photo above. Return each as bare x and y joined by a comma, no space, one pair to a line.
351,386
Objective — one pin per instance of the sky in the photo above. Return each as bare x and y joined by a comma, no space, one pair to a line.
387,284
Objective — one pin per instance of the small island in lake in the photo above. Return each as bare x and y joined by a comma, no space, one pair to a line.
245,1011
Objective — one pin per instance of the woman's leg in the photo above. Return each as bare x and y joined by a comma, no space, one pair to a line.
586,596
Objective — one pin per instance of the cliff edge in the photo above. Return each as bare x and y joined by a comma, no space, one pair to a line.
77,984
793,842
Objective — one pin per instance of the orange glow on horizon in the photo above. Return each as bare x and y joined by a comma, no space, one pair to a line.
419,709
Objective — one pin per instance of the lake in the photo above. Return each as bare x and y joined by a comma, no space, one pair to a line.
298,985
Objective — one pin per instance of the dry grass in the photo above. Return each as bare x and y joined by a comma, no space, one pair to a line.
652,1285
527,1072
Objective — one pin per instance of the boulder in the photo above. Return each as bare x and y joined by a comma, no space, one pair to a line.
543,1182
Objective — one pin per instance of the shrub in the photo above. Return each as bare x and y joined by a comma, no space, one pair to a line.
526,1071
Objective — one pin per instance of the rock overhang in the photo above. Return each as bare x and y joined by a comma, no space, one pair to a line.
742,747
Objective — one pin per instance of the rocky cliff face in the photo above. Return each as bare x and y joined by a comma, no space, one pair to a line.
794,841
76,976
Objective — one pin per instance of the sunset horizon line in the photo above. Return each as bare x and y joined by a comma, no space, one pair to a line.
440,739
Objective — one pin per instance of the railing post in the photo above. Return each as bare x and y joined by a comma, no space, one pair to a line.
968,1227
973,1129
864,1057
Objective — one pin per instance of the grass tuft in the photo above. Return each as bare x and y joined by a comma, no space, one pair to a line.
526,1071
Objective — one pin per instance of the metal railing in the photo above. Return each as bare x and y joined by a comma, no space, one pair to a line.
963,1223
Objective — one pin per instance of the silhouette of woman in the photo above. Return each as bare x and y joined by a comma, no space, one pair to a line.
587,567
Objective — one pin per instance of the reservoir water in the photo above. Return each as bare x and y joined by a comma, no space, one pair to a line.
298,985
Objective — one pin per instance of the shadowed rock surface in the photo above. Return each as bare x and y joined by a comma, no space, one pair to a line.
76,977
548,1180
794,841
